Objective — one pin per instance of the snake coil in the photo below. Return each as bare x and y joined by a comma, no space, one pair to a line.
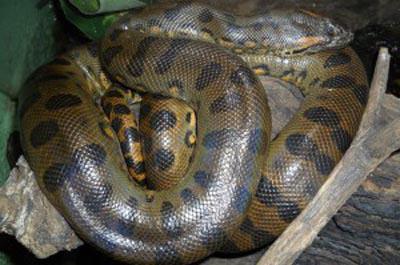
239,192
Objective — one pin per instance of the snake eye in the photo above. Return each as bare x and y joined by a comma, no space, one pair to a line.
330,31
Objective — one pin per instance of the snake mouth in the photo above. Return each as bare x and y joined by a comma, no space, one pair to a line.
313,44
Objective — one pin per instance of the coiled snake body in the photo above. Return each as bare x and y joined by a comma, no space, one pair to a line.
239,192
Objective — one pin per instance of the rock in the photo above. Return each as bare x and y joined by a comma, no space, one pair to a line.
26,214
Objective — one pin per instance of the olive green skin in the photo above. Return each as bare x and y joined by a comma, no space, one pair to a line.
239,192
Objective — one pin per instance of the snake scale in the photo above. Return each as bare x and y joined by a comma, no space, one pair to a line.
239,191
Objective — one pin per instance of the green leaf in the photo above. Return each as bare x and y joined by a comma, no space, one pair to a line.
94,26
90,7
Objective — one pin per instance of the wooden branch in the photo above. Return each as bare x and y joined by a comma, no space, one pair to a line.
377,138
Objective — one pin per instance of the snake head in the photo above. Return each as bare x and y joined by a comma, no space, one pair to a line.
303,31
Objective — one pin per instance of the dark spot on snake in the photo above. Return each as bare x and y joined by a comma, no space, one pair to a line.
230,247
169,221
125,147
315,82
122,227
191,157
188,117
110,53
323,116
202,178
243,76
187,195
147,144
138,167
178,84
132,134
116,124
62,101
93,49
342,139
167,254
288,210
93,153
225,137
270,196
107,108
29,101
187,139
60,61
103,126
361,93
227,102
115,34
149,197
287,73
43,133
300,145
162,120
302,75
144,110
323,163
164,158
257,26
132,202
57,174
113,93
121,109
208,74
243,196
256,235
266,192
167,59
206,16
136,64
207,31
256,140
95,199
337,59
339,81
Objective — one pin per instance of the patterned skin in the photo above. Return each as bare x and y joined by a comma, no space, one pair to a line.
239,192
115,103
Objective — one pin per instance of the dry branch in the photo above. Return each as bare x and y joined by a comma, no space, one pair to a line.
377,138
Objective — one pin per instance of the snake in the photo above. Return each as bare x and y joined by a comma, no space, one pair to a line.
238,190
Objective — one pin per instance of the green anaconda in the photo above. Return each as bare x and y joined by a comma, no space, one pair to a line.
239,191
